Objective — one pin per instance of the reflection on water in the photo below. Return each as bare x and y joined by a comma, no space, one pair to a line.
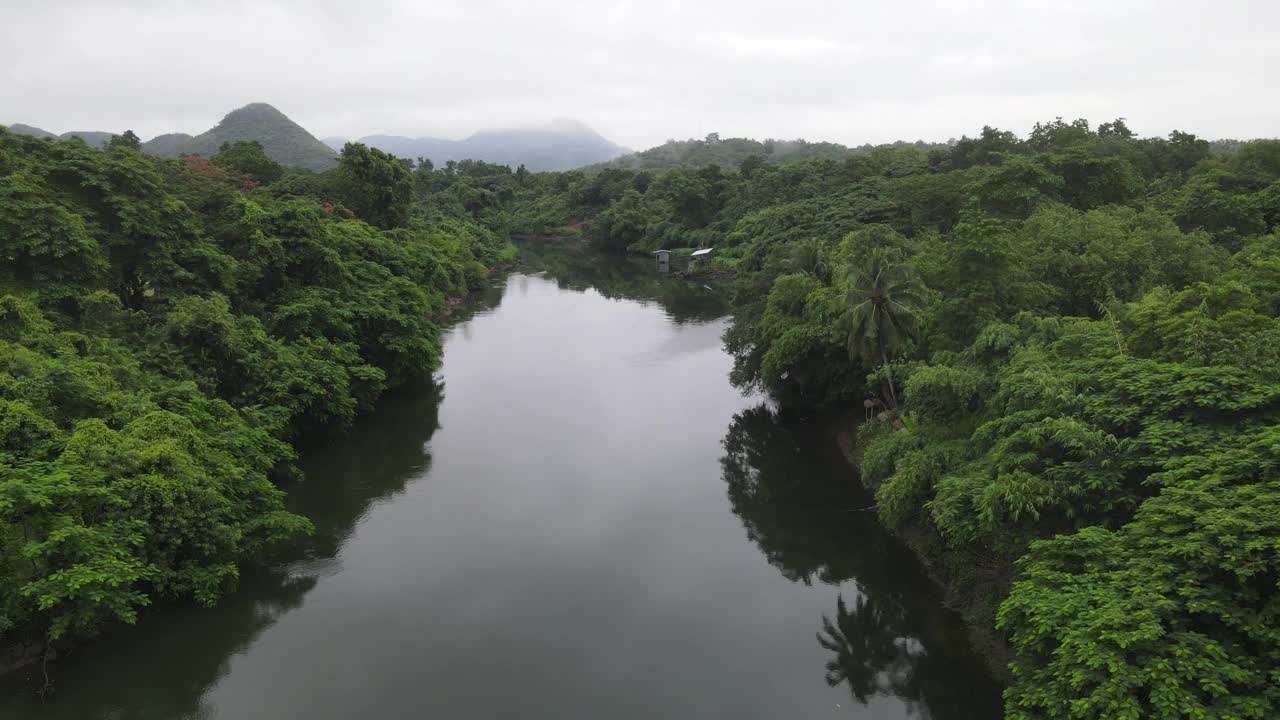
545,533
575,266
103,679
805,509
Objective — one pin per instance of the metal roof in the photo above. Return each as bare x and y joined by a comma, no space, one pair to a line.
700,253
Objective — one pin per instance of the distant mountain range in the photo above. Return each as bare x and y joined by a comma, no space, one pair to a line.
284,140
564,145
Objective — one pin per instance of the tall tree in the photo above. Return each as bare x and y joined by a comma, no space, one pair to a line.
128,140
883,298
248,156
376,186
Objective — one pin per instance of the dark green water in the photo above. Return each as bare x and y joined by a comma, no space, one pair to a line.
583,520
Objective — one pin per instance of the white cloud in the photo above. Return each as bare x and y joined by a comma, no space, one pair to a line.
851,71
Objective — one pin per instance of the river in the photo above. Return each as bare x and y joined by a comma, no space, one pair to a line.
580,519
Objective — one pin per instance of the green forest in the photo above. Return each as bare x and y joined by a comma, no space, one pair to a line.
170,329
1061,354
1067,351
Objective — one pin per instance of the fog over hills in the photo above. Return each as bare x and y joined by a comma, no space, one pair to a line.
562,145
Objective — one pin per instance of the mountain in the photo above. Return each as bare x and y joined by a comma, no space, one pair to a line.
93,138
168,145
21,129
565,144
562,145
285,141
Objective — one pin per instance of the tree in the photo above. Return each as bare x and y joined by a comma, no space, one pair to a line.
248,156
375,185
623,224
164,336
988,148
1057,134
127,140
807,257
883,299
1116,128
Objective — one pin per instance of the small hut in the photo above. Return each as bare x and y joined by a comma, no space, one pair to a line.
664,260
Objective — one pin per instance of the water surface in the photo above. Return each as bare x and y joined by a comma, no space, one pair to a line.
581,520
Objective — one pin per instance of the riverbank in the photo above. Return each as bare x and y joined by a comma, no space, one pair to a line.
454,521
972,587
26,647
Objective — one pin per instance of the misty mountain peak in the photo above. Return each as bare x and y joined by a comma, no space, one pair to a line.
559,145
570,125
284,140
258,112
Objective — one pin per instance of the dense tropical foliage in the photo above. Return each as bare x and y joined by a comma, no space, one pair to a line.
168,328
1068,347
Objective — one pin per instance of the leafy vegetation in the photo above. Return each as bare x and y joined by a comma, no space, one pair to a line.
1068,349
169,327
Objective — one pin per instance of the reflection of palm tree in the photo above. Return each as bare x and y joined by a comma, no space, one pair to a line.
883,299
866,647
791,488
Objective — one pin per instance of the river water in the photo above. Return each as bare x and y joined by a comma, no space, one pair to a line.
582,519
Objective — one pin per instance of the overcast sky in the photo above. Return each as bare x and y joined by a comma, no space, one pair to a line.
642,71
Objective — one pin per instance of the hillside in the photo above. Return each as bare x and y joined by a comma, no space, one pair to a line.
285,141
21,129
731,152
168,145
92,138
564,145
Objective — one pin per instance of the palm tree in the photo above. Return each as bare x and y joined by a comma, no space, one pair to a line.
806,257
883,296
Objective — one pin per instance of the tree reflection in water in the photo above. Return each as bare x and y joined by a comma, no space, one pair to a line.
801,504
576,266
870,657
165,666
